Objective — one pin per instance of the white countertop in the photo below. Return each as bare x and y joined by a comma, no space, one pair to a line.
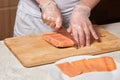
12,69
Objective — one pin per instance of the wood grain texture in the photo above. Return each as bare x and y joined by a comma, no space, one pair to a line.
7,18
32,50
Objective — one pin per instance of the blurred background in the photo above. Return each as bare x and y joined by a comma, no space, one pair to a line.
7,17
107,11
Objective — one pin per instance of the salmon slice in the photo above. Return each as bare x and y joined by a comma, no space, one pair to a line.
67,69
58,40
48,37
96,64
80,65
110,63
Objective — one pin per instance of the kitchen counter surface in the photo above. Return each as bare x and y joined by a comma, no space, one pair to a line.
12,69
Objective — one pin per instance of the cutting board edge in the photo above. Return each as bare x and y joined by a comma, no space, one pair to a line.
52,61
28,65
13,52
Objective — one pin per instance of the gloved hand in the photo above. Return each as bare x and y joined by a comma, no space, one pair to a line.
51,14
80,26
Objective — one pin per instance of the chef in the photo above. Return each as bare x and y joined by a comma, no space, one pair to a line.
38,16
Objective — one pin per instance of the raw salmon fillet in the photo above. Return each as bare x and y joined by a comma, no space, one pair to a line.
110,63
96,64
78,67
68,69
58,40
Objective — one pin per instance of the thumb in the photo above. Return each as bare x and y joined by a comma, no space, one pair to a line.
58,23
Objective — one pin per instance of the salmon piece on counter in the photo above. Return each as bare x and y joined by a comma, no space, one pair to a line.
58,40
110,63
68,69
96,64
100,64
80,65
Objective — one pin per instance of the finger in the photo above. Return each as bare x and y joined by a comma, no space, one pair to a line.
58,23
44,21
93,32
48,21
75,36
69,30
52,25
51,21
44,18
81,36
87,34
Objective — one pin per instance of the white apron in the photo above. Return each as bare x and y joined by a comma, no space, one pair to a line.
28,16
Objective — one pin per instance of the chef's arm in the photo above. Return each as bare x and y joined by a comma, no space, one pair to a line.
80,25
50,13
90,3
42,2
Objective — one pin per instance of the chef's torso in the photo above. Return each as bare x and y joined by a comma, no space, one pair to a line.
31,7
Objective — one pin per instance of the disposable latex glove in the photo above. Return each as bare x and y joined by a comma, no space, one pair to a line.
51,15
81,27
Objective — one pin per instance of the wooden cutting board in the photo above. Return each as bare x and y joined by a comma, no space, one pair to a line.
32,50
